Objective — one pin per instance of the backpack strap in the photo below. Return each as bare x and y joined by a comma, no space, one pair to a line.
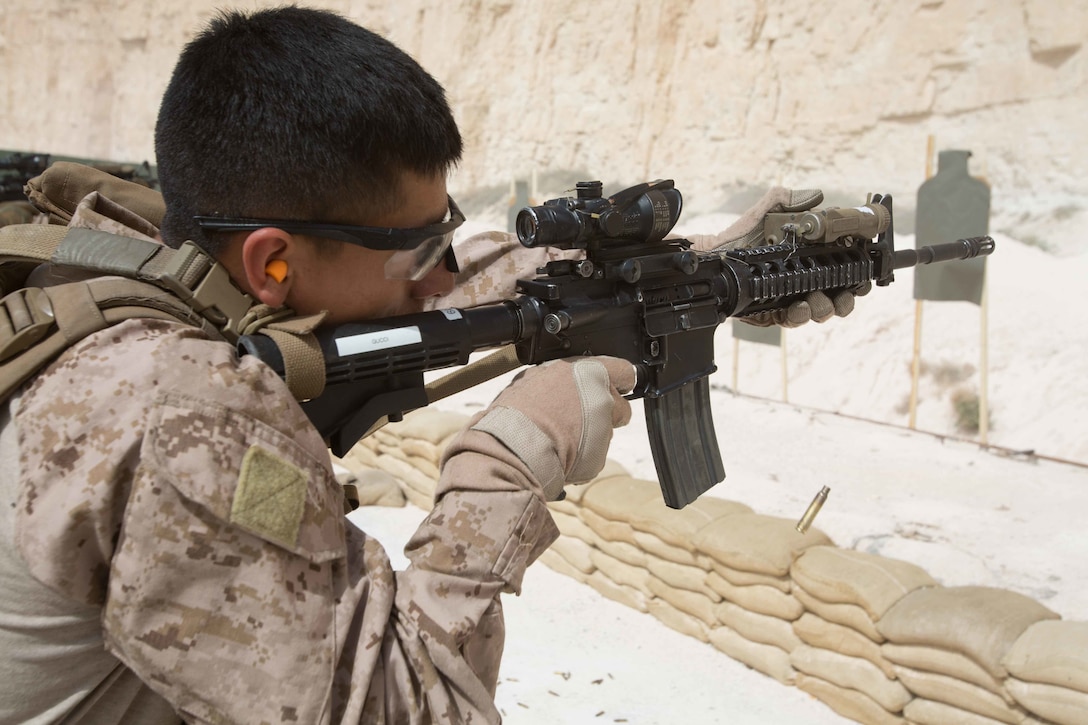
198,280
143,279
34,243
38,324
187,272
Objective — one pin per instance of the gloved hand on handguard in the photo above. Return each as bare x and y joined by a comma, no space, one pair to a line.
747,231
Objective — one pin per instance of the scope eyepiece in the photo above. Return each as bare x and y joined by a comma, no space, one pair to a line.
549,225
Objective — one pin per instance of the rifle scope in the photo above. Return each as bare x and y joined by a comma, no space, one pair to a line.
643,214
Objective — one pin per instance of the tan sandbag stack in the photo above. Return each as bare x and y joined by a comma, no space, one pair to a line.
879,640
948,645
650,548
410,451
750,556
845,593
1048,671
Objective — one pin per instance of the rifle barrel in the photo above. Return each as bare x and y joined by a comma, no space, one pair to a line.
961,249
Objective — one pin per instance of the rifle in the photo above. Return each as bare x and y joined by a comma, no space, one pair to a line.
19,167
634,294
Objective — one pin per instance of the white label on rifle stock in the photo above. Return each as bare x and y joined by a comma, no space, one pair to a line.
377,340
451,313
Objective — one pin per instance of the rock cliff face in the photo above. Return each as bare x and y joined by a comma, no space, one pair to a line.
726,97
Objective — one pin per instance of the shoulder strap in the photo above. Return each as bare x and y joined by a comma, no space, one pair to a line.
37,324
29,242
203,285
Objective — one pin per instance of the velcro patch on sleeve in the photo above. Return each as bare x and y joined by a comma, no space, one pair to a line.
271,496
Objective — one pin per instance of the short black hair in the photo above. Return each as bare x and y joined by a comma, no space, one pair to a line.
294,113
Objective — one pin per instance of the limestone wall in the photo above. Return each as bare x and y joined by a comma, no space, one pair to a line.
723,97
877,639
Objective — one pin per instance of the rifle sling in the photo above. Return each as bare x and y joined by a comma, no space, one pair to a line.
497,363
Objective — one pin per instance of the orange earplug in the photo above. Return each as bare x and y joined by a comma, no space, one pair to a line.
277,270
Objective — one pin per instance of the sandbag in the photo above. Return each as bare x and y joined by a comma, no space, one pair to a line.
942,662
847,702
628,596
689,578
692,603
851,672
765,658
921,711
818,632
958,693
1061,705
428,424
979,622
756,542
757,598
1052,653
855,577
673,618
575,552
756,627
848,615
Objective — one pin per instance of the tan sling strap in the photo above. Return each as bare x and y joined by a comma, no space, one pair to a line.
497,363
303,361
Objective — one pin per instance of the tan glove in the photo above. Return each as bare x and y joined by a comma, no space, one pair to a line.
556,420
815,307
747,231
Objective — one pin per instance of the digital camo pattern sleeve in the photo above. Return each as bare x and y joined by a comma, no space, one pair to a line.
182,490
491,263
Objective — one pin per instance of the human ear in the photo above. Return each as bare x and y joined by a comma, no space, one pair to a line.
265,261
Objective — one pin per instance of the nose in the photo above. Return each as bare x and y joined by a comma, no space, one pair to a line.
438,283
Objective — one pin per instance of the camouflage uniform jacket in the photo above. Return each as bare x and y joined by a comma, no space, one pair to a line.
173,544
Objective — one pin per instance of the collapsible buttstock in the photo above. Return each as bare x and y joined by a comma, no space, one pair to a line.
683,442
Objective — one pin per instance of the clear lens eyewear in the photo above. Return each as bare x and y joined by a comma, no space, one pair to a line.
415,264
415,251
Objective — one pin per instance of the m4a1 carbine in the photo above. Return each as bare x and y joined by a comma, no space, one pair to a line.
633,294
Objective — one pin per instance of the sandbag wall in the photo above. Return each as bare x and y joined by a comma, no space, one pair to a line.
878,640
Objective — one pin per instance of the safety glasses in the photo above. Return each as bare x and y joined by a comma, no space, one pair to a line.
415,251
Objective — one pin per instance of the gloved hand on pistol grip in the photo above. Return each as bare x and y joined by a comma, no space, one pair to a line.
747,231
557,418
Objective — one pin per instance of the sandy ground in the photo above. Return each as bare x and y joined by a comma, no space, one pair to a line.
968,514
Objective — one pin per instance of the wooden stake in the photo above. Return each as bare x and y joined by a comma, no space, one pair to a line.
984,366
736,363
785,367
915,364
916,359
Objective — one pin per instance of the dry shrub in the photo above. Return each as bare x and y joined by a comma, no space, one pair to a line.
965,404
